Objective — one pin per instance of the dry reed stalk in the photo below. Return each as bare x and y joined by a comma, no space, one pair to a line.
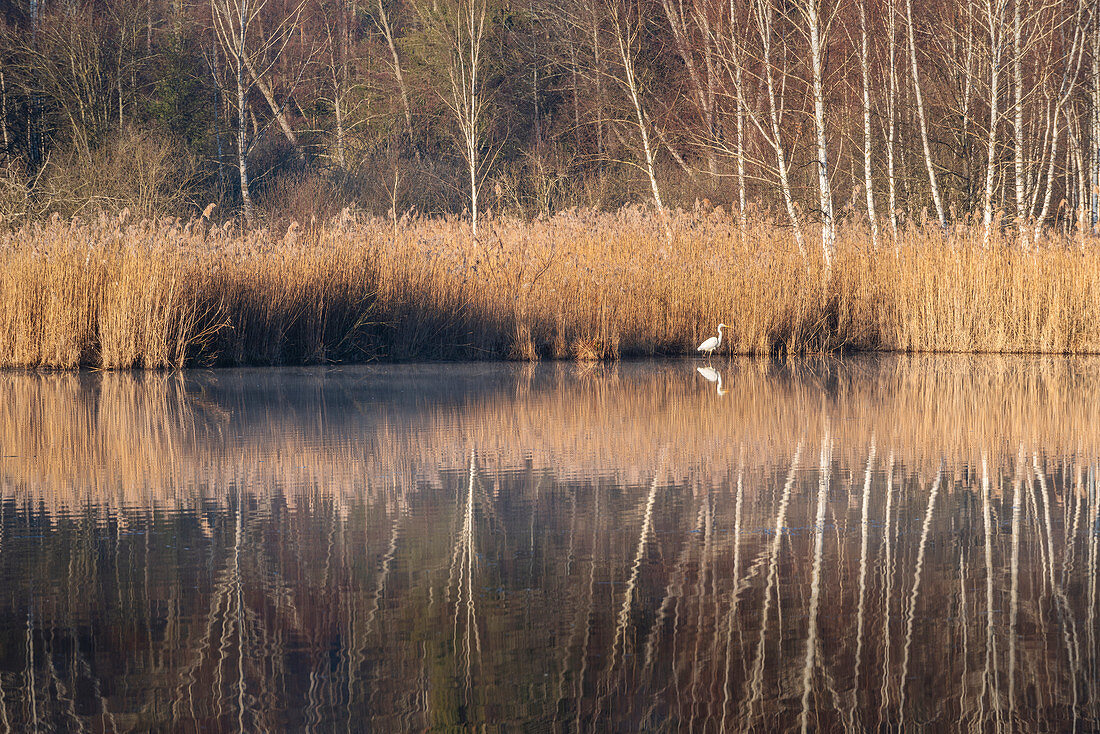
586,286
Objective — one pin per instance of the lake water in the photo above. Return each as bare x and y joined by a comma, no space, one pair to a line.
864,543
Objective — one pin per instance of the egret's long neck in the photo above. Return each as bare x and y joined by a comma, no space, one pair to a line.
719,334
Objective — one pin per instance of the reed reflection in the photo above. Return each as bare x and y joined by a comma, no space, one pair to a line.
835,545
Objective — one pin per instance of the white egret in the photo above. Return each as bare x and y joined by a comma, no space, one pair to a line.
713,343
712,375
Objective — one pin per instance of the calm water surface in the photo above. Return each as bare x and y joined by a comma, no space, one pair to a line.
864,544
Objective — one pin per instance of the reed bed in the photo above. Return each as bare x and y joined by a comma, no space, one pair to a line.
112,294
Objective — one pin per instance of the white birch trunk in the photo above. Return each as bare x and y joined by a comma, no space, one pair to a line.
828,226
865,73
471,101
338,65
741,159
711,121
1054,133
1018,121
968,75
597,56
465,32
764,27
1069,82
993,17
1080,169
1094,152
739,119
891,114
232,19
218,111
472,155
338,108
4,111
1033,178
624,36
663,140
242,115
921,116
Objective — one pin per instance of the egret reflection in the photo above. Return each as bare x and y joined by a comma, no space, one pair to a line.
864,544
712,376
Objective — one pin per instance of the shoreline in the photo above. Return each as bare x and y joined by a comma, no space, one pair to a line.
718,361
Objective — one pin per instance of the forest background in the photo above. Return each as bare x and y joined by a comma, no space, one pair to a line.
813,109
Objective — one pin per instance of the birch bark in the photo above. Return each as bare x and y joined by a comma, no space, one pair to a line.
812,10
865,73
994,17
624,36
242,114
1094,153
891,114
764,10
1069,82
468,95
4,111
1018,121
733,62
929,164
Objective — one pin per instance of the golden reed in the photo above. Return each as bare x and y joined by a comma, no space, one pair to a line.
112,294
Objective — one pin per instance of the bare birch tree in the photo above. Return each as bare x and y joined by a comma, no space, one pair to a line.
811,11
461,28
739,114
626,23
232,19
891,113
336,29
919,97
995,10
278,111
1018,118
1070,72
770,130
250,57
598,62
865,79
1094,151
4,111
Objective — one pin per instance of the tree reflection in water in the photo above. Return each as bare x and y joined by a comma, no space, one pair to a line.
857,544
